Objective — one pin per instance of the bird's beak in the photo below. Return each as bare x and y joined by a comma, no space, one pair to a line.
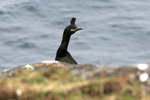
77,29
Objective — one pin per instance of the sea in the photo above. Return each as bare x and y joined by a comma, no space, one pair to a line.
114,32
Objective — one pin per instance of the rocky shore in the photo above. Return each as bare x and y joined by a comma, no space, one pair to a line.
52,80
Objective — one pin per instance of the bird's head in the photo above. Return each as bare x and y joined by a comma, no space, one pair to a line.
72,28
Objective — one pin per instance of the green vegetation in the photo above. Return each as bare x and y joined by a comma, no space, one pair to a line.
59,84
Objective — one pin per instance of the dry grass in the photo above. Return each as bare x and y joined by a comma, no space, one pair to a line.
52,84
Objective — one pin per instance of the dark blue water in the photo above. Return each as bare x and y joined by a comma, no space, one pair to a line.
115,31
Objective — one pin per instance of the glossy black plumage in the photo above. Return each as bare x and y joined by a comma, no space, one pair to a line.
62,54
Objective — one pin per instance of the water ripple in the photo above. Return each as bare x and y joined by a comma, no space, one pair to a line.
112,29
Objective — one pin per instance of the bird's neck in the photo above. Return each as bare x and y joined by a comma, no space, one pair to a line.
65,41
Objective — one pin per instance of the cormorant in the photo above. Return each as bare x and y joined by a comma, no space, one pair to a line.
62,53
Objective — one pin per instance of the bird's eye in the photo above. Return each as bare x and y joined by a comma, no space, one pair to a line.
72,30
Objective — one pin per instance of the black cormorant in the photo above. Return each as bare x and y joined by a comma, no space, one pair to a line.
62,53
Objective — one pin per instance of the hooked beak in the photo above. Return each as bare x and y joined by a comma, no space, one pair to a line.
77,29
